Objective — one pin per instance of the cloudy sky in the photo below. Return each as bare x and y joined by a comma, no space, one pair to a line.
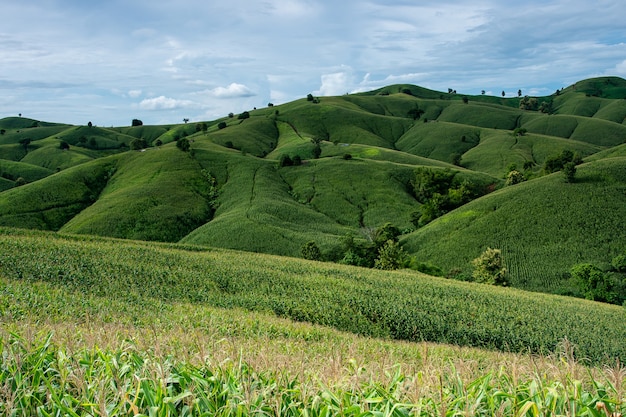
109,61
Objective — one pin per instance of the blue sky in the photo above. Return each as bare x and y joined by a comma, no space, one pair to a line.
108,62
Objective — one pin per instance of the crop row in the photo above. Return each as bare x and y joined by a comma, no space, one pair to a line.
46,380
400,305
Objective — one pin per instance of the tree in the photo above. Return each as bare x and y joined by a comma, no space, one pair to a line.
221,125
482,92
20,181
569,171
519,93
25,142
183,144
231,115
503,93
391,256
136,122
89,124
593,283
3,131
311,251
297,160
138,144
415,113
64,145
385,233
465,99
309,97
489,268
285,161
244,115
514,177
270,104
185,120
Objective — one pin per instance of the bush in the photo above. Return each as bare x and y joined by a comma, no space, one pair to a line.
514,177
347,156
285,161
136,122
390,256
594,284
244,115
489,268
137,144
311,251
183,144
221,125
64,145
569,171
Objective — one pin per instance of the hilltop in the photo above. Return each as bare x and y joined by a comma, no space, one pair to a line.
321,169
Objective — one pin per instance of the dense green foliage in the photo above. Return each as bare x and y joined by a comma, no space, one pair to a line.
45,379
400,305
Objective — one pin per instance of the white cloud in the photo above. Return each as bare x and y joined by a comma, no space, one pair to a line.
335,84
134,93
164,103
620,69
234,90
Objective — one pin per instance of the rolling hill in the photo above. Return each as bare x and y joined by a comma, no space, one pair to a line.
357,157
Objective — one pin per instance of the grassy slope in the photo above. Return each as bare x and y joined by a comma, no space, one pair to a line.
159,194
555,226
39,205
401,305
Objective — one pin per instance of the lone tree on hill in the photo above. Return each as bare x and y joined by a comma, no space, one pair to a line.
136,122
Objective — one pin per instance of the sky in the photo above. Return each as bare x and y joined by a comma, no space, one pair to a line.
111,61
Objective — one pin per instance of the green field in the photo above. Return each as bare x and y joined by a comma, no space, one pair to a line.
94,326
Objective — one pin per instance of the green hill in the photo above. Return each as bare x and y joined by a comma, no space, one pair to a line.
234,189
544,227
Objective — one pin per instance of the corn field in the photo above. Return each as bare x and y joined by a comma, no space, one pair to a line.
43,379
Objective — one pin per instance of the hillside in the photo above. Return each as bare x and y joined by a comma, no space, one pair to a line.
357,158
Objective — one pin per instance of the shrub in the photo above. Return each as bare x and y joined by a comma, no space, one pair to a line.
489,268
64,145
569,171
183,144
137,144
390,256
311,251
593,283
285,161
514,177
347,156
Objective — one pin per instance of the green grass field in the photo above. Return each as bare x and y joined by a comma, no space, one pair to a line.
115,327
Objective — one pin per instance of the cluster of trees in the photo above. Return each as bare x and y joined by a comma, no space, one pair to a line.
381,249
439,192
602,284
566,161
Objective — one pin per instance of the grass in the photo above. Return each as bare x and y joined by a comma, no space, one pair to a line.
76,347
401,305
556,225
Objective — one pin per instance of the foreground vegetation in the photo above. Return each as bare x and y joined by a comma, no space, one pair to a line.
68,352
399,305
